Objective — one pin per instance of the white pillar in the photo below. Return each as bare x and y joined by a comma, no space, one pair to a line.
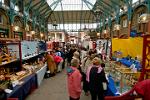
63,37
55,37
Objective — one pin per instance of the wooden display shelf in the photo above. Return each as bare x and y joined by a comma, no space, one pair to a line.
8,39
29,57
5,63
19,79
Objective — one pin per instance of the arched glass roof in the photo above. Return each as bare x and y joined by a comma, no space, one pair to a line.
71,5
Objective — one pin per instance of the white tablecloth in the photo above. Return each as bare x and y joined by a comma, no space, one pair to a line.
40,74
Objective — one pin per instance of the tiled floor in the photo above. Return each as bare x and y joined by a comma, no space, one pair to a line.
53,89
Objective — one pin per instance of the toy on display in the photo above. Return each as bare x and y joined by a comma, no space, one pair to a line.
129,65
14,67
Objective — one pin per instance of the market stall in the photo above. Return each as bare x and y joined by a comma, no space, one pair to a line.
25,87
125,70
23,70
40,74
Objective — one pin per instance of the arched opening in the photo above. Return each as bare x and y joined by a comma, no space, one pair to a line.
4,24
135,25
18,28
124,26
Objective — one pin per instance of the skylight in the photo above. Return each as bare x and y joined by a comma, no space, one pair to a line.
71,5
134,1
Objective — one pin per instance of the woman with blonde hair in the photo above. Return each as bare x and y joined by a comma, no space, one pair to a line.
95,78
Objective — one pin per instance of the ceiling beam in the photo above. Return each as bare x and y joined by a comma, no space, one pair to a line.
76,19
84,18
58,19
36,4
40,6
108,5
62,15
106,9
28,5
81,15
114,2
89,18
88,3
55,3
44,8
47,9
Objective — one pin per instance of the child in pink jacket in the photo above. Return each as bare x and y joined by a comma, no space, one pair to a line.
74,80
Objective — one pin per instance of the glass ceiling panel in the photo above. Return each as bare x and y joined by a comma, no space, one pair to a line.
134,1
73,27
70,5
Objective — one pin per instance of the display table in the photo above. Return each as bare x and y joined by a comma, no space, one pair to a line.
21,91
128,63
111,89
40,74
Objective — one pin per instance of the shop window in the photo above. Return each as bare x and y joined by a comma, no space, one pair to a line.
3,33
124,23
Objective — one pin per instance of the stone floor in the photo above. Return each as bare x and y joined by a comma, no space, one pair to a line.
53,88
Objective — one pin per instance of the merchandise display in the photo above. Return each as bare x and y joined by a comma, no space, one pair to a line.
40,38
125,78
29,49
32,62
8,54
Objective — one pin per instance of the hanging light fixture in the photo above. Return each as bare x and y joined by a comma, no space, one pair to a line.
16,28
144,18
98,34
32,32
42,35
105,31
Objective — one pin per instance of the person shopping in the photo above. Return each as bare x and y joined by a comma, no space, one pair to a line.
85,63
51,63
58,60
96,78
74,80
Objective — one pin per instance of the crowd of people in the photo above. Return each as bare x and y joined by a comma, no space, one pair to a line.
82,65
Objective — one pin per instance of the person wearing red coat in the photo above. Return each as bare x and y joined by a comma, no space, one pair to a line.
143,88
74,80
